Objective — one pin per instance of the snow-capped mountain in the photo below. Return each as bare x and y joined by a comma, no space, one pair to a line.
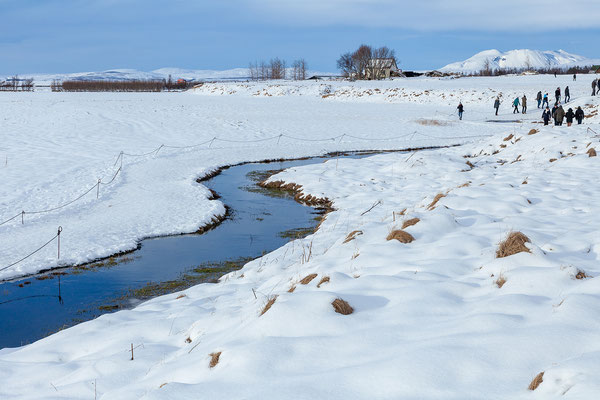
524,58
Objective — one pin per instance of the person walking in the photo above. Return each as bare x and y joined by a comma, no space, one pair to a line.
570,115
594,83
460,109
497,104
516,105
539,98
575,76
524,104
546,115
557,95
545,101
567,95
579,115
553,111
560,115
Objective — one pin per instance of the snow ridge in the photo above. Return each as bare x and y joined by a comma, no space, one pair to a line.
524,58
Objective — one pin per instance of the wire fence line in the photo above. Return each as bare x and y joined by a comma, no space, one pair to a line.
154,152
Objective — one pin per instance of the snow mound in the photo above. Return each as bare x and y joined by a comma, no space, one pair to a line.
519,59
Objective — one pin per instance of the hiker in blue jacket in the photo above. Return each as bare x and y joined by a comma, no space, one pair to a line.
545,101
516,104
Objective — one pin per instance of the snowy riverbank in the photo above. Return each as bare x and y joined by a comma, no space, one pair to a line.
439,317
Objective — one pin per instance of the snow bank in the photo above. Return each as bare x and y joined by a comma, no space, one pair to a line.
429,321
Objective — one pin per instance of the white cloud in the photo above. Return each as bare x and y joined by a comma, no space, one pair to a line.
436,15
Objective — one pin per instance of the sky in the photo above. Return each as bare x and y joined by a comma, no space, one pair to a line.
60,36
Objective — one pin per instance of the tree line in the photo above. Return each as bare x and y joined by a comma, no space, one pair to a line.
277,69
15,84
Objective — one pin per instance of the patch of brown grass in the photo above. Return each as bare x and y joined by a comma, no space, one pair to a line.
291,289
431,122
581,275
214,359
552,159
306,280
536,381
506,139
513,244
466,184
533,132
342,307
401,236
470,164
352,235
402,212
323,280
181,296
410,222
267,306
591,152
437,198
524,182
500,281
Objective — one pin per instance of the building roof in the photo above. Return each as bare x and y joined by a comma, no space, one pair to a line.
383,63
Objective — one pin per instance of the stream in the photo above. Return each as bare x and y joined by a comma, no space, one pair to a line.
258,221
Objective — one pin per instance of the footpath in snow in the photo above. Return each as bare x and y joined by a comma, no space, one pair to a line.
433,306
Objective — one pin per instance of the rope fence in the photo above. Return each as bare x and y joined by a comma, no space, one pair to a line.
122,154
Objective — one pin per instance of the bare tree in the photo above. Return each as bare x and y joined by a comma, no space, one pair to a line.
299,70
486,71
346,64
254,71
277,68
361,58
381,59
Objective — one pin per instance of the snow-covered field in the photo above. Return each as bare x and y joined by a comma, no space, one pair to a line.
430,319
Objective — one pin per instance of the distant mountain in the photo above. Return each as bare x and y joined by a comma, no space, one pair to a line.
518,59
162,73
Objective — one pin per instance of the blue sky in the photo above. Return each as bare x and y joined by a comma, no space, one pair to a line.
91,35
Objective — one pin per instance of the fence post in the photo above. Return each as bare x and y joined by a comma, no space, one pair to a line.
98,189
22,214
58,235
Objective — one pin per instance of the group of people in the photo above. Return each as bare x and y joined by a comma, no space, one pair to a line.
558,114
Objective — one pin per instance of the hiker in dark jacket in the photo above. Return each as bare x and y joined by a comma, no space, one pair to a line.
539,98
579,115
567,95
559,115
497,104
594,82
516,105
545,101
557,95
554,113
546,115
460,109
524,104
575,77
570,115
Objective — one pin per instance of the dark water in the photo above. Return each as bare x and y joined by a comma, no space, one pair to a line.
34,307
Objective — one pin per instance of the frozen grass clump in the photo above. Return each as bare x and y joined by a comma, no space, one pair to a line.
513,244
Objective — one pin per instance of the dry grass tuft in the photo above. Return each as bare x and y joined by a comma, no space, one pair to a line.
410,222
352,235
513,244
163,385
533,132
291,289
306,280
214,359
536,381
401,236
552,159
342,307
431,122
402,212
524,182
181,296
435,201
466,184
506,139
581,275
470,164
267,306
323,280
500,281
591,152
